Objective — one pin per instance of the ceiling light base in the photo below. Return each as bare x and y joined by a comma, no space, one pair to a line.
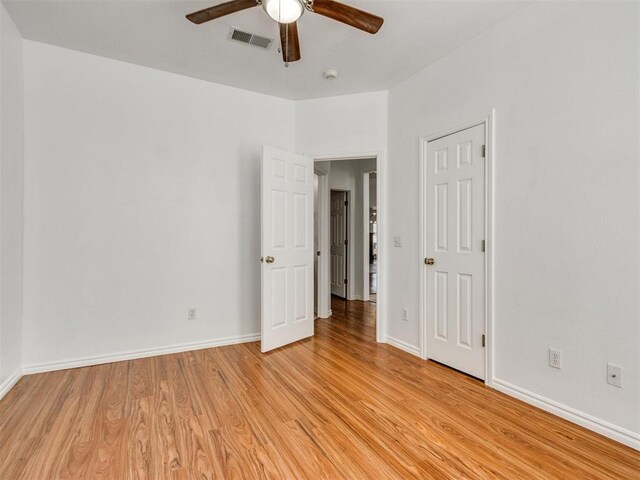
284,11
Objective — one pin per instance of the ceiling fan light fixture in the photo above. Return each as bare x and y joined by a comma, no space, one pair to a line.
283,11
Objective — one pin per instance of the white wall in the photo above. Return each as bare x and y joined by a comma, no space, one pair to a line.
141,200
563,78
11,171
342,125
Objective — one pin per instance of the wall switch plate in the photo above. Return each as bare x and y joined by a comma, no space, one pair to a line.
405,314
555,358
614,375
397,241
191,314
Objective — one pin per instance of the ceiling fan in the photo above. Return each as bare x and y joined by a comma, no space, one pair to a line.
287,12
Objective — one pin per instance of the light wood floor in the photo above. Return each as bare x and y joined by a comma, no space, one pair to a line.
335,406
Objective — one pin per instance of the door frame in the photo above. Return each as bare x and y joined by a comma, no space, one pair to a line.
350,263
489,133
366,207
324,302
323,287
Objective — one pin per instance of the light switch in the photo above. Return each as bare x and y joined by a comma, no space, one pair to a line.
397,241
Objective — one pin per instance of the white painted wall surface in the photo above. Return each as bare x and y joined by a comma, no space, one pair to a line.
563,78
342,125
142,199
11,171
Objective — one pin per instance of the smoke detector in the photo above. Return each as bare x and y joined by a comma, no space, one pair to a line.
330,74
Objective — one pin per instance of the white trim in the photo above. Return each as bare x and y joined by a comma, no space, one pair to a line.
488,122
366,229
10,382
382,294
381,190
134,354
323,289
602,427
489,196
412,349
365,236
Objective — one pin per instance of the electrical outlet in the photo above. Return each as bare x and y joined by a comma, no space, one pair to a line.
191,313
405,314
555,358
614,375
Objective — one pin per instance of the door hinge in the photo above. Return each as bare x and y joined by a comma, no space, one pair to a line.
346,203
346,242
346,281
484,246
484,151
483,340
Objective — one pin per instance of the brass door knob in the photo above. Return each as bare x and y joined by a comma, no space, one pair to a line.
269,259
429,261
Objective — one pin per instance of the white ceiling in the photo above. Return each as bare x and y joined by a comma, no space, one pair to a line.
156,34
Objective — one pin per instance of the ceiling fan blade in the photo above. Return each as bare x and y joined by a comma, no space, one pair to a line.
351,16
290,42
221,10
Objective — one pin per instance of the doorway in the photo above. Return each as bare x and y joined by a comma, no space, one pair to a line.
292,187
343,231
456,227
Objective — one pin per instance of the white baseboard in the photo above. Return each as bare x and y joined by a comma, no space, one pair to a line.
10,382
413,350
131,355
607,429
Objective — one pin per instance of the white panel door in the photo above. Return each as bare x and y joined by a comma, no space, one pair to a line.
455,230
339,244
287,248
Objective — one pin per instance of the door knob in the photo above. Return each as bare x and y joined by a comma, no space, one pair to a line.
429,261
269,259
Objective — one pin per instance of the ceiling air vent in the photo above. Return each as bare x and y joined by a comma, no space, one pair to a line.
250,38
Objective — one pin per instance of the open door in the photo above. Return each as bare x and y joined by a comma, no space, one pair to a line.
287,248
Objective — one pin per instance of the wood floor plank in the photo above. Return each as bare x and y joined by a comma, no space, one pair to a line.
338,405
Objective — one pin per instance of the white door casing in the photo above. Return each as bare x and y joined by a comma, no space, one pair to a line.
339,245
287,248
455,229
